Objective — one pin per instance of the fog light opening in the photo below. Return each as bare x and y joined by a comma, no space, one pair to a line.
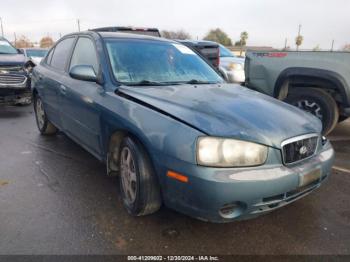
232,210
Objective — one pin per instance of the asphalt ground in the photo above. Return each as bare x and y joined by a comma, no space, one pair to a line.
56,199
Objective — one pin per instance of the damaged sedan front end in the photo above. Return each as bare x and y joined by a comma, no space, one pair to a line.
175,133
14,76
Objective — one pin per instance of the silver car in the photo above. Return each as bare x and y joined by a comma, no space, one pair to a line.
231,66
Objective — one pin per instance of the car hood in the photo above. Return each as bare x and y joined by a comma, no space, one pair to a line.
228,110
12,59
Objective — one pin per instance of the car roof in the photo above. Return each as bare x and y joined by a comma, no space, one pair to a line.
119,35
132,36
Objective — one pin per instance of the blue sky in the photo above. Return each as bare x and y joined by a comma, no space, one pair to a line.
268,22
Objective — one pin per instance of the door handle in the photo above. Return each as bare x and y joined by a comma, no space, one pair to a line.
63,89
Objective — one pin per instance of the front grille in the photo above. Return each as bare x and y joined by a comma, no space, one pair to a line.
11,68
299,148
12,79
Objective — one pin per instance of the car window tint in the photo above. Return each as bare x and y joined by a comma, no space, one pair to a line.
49,56
61,53
85,54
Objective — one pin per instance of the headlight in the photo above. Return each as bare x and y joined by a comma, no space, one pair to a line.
221,152
235,66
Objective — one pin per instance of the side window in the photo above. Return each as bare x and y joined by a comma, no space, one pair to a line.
85,54
49,56
61,53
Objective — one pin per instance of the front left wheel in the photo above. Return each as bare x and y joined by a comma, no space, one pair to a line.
139,185
44,125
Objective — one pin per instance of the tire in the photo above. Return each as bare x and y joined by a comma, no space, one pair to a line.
318,103
44,125
139,186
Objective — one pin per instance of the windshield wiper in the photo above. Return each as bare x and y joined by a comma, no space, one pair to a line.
145,83
198,82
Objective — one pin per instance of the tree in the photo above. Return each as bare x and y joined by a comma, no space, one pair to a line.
179,34
298,41
346,47
46,42
243,40
219,36
316,48
23,42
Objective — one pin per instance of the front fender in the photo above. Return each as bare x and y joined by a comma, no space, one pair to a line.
159,133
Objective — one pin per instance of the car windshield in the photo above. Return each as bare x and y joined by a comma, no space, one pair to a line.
148,62
7,48
36,52
224,52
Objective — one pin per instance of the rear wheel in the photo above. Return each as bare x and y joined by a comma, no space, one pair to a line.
317,102
44,125
138,182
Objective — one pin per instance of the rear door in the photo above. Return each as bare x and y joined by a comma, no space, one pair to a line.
49,79
80,112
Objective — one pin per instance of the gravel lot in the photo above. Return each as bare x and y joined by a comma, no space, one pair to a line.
55,199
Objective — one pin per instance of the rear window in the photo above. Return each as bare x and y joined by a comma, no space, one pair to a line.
224,52
61,53
36,52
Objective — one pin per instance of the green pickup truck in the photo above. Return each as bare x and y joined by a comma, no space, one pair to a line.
317,82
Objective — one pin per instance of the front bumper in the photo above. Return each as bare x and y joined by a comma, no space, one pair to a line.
12,93
251,191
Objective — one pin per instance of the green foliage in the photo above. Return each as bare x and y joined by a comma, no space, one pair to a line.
299,40
179,34
219,36
316,48
346,47
244,37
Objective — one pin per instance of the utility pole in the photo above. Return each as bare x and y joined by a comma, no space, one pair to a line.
2,28
78,22
332,45
285,44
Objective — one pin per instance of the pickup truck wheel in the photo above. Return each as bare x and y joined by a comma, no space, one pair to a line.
138,182
44,125
318,103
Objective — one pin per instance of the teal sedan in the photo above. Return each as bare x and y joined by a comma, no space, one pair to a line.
166,123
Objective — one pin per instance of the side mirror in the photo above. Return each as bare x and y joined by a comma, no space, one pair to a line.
83,72
20,51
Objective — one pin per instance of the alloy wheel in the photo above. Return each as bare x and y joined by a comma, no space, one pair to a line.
311,107
40,113
128,175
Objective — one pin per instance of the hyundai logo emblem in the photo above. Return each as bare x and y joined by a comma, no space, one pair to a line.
303,150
